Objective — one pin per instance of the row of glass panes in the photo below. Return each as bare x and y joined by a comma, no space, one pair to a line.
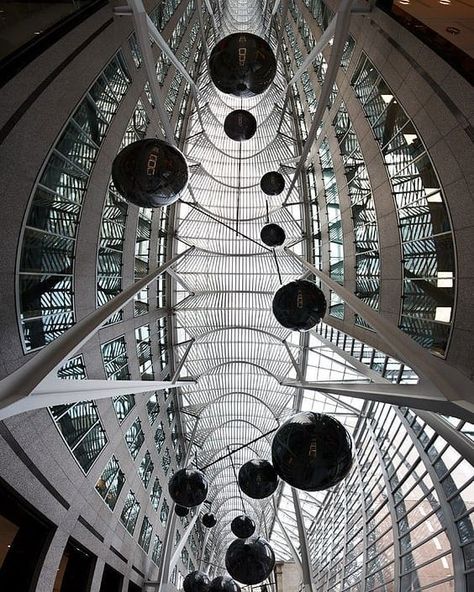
425,551
363,212
425,231
79,423
48,248
334,226
386,366
113,224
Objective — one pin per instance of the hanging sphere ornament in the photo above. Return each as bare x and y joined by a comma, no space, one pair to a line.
242,64
272,235
258,478
181,511
299,305
196,581
272,183
209,520
242,526
150,173
188,487
251,561
240,125
312,451
224,584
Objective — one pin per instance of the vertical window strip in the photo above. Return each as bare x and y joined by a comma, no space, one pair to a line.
130,512
145,534
110,483
155,494
48,248
145,469
115,360
363,213
113,224
429,261
134,438
142,258
334,229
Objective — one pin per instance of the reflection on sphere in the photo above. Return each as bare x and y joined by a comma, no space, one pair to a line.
242,64
272,235
251,561
257,478
188,487
240,125
224,584
243,527
196,581
209,520
312,451
299,305
150,173
272,183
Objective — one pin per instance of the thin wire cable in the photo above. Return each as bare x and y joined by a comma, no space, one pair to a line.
237,481
191,205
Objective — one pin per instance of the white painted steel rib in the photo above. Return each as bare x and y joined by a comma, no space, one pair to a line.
23,381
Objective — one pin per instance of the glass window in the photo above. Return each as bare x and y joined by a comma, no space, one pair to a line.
425,230
80,425
130,513
160,437
111,482
145,535
157,547
155,494
47,253
153,408
146,469
134,437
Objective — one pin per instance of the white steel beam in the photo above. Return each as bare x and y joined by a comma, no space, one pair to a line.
444,382
22,382
56,391
317,49
166,49
302,535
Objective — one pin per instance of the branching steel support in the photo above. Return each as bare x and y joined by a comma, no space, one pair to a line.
44,364
444,382
340,37
141,27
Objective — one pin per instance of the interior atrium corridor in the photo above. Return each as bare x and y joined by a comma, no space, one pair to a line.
138,341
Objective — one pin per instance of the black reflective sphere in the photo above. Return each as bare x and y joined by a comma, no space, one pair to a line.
150,173
312,451
257,478
251,561
242,64
196,581
224,584
188,487
272,183
243,527
299,305
240,125
181,511
272,235
209,520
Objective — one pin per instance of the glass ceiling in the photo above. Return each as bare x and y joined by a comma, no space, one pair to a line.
239,354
